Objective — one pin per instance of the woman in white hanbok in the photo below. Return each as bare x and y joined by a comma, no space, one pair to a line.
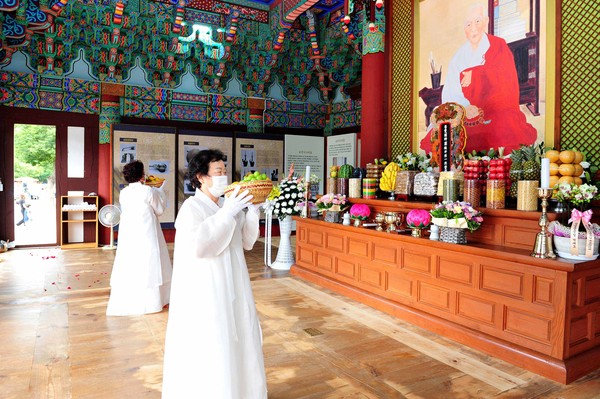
213,346
141,276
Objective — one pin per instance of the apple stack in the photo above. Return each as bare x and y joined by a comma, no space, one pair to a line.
475,170
565,167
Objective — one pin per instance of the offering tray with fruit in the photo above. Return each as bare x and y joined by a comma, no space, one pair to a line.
154,181
257,184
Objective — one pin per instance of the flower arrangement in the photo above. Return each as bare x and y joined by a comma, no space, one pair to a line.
418,218
576,196
314,179
413,161
360,211
332,202
456,214
285,197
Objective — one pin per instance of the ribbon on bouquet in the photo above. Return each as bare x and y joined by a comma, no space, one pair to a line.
578,217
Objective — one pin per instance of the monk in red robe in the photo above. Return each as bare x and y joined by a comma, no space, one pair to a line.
482,77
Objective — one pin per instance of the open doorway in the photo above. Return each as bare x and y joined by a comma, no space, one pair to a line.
34,184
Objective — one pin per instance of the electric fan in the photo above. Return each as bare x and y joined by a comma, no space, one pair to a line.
109,216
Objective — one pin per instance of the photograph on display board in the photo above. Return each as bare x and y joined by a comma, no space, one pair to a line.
263,156
192,142
155,148
159,167
128,150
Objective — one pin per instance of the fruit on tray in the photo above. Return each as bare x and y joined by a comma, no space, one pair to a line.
258,184
154,181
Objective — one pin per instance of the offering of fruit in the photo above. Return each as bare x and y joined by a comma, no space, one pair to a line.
333,171
345,171
565,166
388,177
526,165
258,184
154,181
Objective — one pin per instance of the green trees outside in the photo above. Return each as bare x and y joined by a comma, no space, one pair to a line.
35,152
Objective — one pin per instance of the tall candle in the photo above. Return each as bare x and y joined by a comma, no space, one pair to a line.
307,178
545,174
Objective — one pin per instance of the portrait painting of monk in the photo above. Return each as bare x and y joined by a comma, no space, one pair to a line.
478,71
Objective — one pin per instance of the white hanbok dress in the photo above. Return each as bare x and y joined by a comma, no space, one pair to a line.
141,276
213,346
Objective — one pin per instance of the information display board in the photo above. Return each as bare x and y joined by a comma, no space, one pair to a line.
341,150
155,147
189,143
306,151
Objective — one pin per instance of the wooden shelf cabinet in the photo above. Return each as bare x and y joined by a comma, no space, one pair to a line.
89,221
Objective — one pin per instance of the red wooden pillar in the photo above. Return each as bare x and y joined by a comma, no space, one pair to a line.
373,135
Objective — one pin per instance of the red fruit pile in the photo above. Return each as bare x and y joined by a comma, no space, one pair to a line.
475,169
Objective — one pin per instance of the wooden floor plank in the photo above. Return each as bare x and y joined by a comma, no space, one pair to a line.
58,343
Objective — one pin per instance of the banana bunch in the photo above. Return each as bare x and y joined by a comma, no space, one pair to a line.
388,177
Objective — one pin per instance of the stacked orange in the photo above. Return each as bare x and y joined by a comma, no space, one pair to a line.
565,166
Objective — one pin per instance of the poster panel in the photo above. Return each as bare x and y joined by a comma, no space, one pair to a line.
306,151
341,150
189,143
264,155
155,147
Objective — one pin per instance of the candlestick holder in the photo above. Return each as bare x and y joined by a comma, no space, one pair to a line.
543,240
306,210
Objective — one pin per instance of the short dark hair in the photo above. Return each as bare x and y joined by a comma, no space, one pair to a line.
133,171
200,164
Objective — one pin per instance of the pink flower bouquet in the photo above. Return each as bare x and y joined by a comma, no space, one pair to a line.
418,218
360,211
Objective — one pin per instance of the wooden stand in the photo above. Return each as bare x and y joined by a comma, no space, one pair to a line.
89,222
539,314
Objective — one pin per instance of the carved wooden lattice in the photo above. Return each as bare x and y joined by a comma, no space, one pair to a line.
402,81
580,80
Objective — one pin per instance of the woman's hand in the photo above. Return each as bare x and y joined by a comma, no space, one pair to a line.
236,201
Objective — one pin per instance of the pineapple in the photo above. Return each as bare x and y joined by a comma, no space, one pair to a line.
516,171
531,164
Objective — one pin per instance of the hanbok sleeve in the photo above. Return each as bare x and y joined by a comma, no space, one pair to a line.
250,229
158,200
208,235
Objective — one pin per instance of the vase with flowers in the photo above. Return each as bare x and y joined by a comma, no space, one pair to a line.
330,205
417,220
454,218
283,202
359,213
576,238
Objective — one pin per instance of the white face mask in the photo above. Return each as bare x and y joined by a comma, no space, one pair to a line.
218,185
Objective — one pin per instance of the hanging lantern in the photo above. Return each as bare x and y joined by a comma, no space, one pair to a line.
379,4
346,19
372,27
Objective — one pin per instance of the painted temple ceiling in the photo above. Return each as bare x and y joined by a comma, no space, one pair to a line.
296,45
